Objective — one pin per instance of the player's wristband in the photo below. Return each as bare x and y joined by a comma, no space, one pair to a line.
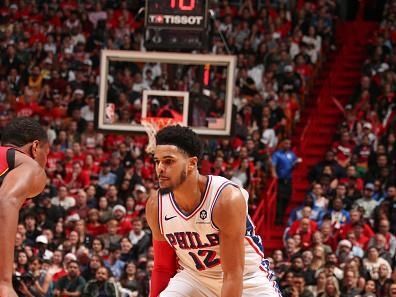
164,267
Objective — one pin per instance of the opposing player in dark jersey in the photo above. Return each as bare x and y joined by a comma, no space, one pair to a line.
23,156
202,223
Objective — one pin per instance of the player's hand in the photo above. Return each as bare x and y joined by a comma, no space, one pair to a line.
7,291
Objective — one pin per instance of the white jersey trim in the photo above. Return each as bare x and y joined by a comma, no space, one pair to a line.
217,195
159,197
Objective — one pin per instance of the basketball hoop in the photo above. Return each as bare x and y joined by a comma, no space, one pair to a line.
152,125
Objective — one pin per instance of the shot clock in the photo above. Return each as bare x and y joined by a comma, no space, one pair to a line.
176,24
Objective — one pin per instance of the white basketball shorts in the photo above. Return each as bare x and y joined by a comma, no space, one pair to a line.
187,284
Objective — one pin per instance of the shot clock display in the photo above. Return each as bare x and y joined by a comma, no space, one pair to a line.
177,6
176,22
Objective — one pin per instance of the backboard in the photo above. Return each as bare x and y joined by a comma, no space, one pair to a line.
194,89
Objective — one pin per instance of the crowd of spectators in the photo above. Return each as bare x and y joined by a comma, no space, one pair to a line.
87,234
341,241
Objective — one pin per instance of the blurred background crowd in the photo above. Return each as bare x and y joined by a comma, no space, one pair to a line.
86,234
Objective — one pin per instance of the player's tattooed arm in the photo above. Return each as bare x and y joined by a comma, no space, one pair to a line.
230,217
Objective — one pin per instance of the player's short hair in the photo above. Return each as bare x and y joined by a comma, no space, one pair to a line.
183,138
23,130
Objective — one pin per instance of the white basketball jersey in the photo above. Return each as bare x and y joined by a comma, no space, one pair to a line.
195,237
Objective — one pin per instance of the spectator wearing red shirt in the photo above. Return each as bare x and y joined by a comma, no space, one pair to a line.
36,35
60,270
343,149
77,179
206,165
112,141
56,267
356,217
245,152
130,208
90,166
306,212
68,161
305,230
26,105
99,155
363,152
58,85
69,5
351,174
55,155
361,239
218,167
303,68
56,19
141,172
124,224
140,194
78,154
58,175
94,227
124,14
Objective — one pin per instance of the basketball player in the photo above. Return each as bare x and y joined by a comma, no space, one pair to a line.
201,221
23,156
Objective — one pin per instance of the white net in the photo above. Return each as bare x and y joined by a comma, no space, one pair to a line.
151,131
152,125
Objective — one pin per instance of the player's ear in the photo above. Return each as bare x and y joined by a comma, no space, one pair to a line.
193,163
34,148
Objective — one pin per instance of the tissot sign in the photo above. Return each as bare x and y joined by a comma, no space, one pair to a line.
175,20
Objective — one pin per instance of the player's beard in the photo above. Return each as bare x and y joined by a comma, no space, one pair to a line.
182,178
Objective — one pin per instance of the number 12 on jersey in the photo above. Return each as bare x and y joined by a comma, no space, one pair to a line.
209,259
